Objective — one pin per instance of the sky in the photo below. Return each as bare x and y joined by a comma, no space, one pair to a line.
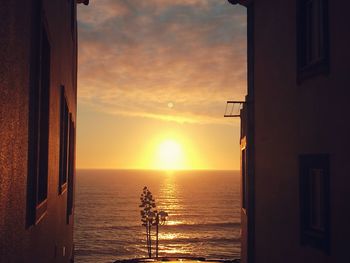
153,80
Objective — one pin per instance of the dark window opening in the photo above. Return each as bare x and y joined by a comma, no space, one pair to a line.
71,168
244,180
44,117
312,48
73,15
64,142
314,200
39,130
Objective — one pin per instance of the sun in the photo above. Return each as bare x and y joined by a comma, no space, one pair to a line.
169,155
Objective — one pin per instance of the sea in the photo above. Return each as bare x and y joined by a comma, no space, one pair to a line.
203,209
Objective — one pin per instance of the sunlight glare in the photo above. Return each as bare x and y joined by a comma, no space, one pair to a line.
170,156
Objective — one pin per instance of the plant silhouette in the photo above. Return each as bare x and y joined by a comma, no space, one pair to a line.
150,217
147,217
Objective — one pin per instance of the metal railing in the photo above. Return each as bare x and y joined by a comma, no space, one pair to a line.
233,108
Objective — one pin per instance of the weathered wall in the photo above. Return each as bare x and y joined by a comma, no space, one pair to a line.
292,119
45,241
14,77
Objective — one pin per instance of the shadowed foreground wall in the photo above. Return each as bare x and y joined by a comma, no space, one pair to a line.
51,238
294,118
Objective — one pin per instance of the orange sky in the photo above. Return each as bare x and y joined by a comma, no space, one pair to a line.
157,70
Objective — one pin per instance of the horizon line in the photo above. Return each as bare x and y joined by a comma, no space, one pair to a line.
158,170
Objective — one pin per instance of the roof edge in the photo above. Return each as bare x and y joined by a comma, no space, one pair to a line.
85,2
241,2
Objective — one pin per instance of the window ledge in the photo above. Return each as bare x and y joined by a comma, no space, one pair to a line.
41,211
320,67
63,188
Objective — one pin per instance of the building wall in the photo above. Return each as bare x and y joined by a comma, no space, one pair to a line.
45,241
293,119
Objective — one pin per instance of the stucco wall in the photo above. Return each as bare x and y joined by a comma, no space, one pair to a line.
292,119
45,241
14,76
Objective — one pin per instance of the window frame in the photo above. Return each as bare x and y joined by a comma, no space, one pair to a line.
244,176
310,235
64,142
39,120
73,15
71,168
307,69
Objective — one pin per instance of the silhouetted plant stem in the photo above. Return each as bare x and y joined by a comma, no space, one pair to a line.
150,242
157,231
147,238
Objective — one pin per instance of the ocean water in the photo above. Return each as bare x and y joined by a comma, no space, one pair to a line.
203,208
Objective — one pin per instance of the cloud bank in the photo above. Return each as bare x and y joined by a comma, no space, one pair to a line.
177,60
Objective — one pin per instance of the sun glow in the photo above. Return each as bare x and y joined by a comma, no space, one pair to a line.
170,156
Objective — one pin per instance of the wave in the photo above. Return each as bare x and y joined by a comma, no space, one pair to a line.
196,240
183,226
164,244
206,225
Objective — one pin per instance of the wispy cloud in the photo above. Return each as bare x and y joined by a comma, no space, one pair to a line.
138,57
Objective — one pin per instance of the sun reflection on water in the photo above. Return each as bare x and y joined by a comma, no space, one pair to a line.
202,219
170,200
168,236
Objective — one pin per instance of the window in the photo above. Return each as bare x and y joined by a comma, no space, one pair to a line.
39,130
312,47
71,167
73,16
64,143
314,200
244,180
67,154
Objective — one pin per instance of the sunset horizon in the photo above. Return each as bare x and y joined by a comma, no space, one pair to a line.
157,170
178,131
155,72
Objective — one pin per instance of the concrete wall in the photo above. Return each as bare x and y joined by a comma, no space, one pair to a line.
45,241
292,119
